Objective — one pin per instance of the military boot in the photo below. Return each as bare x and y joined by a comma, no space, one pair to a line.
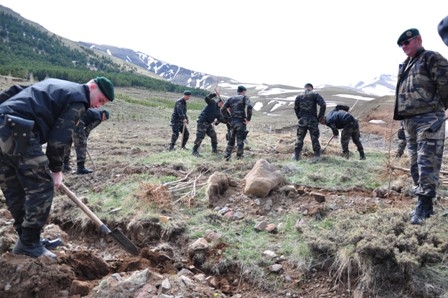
316,157
82,169
171,147
362,155
296,156
29,244
346,154
195,151
423,209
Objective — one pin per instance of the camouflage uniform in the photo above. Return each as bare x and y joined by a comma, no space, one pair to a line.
340,119
45,112
91,119
421,90
177,123
305,107
235,112
205,124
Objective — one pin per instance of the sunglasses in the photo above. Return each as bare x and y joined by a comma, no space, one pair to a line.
406,42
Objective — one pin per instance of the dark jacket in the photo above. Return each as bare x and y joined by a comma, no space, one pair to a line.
91,119
210,112
55,106
338,119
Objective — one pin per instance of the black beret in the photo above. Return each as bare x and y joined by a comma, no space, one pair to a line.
309,85
443,30
106,87
408,34
241,88
187,92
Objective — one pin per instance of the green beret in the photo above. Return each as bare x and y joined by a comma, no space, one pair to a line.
106,87
443,30
241,88
408,34
309,85
187,92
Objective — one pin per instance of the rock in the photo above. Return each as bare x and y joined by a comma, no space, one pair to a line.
262,179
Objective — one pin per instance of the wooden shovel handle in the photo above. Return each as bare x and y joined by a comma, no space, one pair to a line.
81,205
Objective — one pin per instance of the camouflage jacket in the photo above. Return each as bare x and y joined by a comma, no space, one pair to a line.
306,105
422,85
180,111
91,119
237,108
210,112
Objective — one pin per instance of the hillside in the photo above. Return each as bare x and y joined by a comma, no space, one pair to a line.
193,245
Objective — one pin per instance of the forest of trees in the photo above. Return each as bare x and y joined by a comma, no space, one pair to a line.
29,52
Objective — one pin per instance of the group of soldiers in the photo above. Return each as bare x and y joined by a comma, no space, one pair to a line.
236,113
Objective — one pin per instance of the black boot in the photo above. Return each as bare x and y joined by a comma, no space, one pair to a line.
346,154
296,156
316,157
362,155
82,169
29,244
423,209
171,147
195,151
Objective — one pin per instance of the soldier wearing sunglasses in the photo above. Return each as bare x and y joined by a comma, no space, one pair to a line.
420,104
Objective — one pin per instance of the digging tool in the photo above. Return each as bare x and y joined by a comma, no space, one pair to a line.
91,159
116,235
327,144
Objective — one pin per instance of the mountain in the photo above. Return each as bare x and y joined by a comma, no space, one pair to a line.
379,86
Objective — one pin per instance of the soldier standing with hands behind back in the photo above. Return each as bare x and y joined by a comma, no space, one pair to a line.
420,103
237,111
305,107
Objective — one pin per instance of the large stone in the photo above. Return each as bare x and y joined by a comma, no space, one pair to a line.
263,178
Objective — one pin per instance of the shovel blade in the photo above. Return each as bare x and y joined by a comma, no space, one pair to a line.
124,242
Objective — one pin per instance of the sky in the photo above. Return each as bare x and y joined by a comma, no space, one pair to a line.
274,42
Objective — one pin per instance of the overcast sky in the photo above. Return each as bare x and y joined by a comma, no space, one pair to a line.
284,41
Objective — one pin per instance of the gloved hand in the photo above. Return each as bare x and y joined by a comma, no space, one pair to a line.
211,95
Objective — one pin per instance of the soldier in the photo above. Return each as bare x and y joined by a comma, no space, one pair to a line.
91,119
209,115
237,111
179,121
305,107
339,118
422,87
45,112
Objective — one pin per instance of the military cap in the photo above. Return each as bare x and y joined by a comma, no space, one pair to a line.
309,85
443,30
408,34
187,92
241,88
106,87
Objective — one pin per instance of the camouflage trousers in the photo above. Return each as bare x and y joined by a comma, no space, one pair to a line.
203,129
80,142
425,151
351,131
179,128
236,132
26,181
306,124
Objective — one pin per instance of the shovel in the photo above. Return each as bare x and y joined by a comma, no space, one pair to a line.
116,235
